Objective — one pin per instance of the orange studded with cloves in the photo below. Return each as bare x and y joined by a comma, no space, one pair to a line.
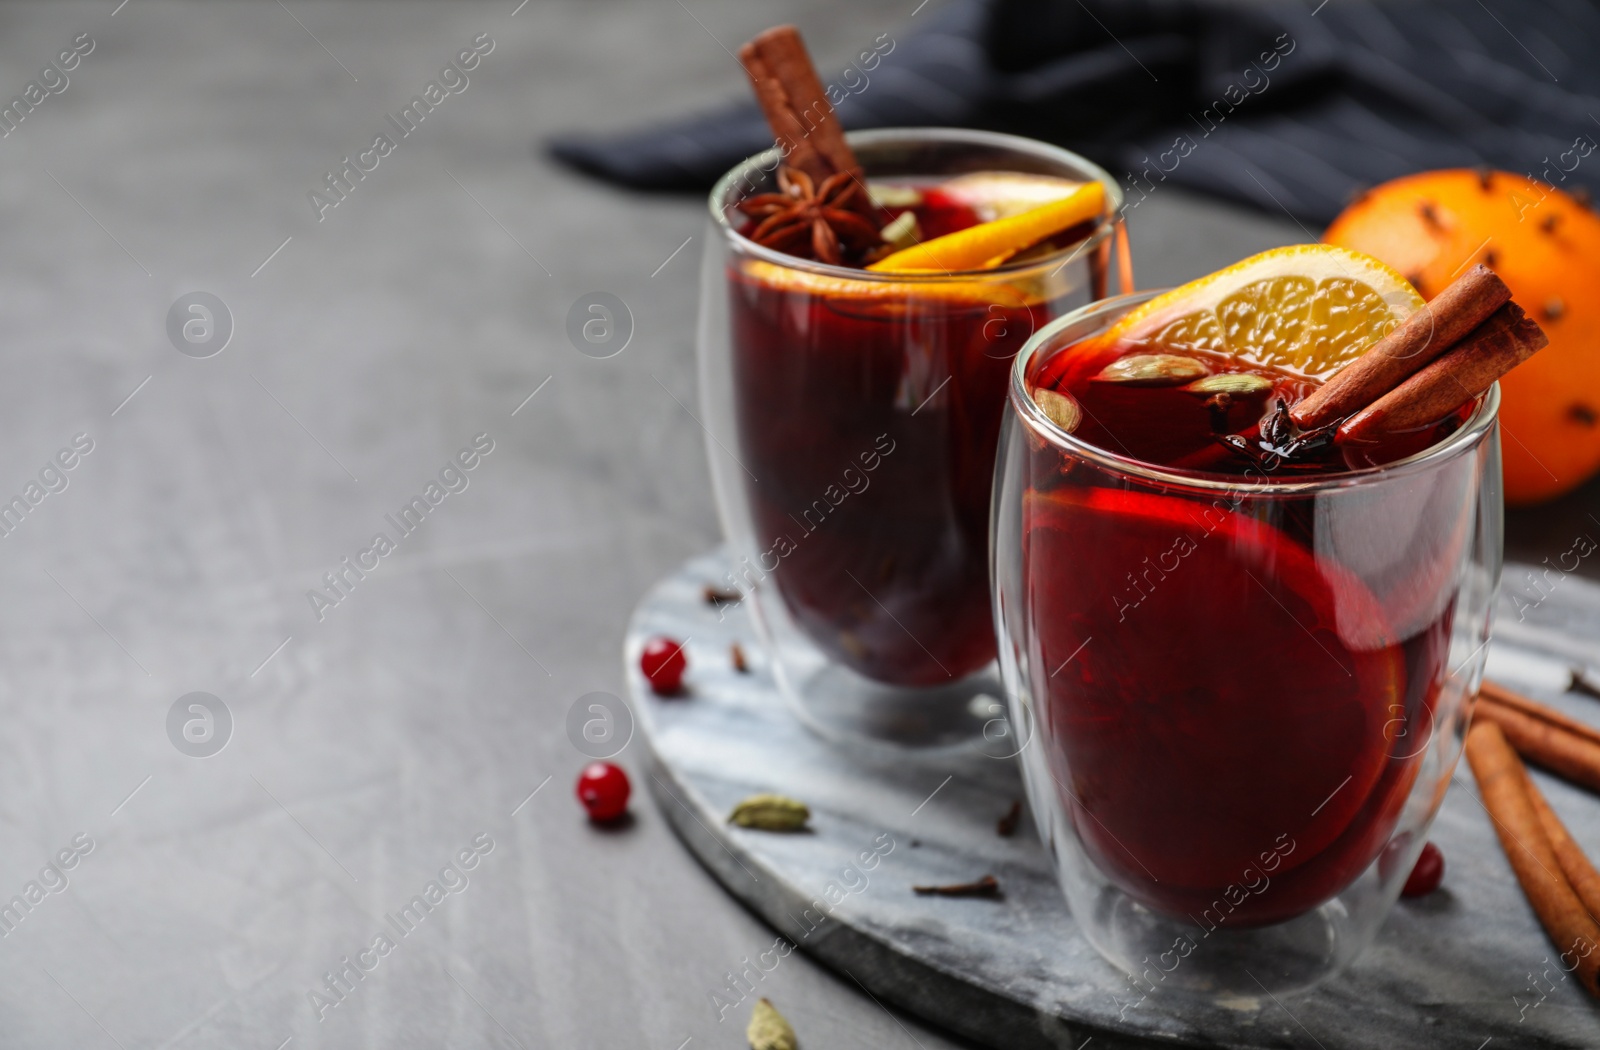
1545,244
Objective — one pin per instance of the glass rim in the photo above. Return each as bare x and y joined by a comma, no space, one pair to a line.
768,158
1468,436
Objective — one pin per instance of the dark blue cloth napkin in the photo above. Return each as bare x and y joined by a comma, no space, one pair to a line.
1290,106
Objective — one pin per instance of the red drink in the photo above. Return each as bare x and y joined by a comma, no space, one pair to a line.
868,412
1177,422
1236,687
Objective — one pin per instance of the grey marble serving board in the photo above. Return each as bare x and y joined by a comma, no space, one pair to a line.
1459,969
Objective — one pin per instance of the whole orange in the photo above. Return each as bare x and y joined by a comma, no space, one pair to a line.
1545,245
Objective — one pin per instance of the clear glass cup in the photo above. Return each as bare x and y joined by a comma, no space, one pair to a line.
1242,698
851,421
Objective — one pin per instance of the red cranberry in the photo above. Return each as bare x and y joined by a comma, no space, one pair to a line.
663,663
1427,875
603,789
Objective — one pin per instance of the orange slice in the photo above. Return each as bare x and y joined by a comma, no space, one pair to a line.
920,292
1025,290
1308,307
1314,700
991,243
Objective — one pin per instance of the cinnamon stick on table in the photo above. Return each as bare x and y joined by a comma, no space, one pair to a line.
1535,724
1423,336
1496,693
1545,737
1581,874
1506,792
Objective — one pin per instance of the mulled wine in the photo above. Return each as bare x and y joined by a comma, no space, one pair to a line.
1234,688
867,416
1246,540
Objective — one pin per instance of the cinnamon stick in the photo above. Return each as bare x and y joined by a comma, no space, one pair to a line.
1579,872
1504,788
1546,742
1499,694
1423,336
782,116
1494,348
796,104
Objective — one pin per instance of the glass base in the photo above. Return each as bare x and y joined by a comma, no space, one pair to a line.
1175,958
848,709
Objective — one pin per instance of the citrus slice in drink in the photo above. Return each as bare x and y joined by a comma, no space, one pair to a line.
989,244
1311,308
1265,726
879,297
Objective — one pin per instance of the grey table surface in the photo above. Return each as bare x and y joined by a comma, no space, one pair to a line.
370,746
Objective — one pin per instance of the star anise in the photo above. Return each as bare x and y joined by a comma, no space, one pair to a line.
822,218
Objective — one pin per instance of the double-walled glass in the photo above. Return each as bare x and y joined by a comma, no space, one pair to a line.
1243,698
852,419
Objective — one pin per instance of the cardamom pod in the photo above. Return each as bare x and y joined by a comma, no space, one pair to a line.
1152,370
769,1030
1062,410
902,232
1231,383
770,813
893,196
